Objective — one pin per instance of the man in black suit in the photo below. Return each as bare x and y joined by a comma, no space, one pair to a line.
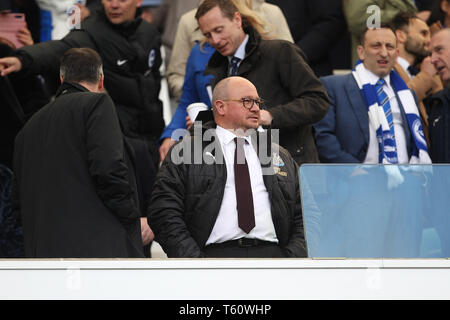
73,188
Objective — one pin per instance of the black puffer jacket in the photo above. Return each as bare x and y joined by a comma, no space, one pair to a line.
293,94
186,200
131,60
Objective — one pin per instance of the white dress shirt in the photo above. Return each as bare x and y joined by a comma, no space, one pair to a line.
226,226
405,65
399,129
240,52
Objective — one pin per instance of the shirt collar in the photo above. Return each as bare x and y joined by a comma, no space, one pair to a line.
240,52
403,63
373,78
226,136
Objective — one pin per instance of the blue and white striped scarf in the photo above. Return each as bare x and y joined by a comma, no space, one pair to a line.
378,118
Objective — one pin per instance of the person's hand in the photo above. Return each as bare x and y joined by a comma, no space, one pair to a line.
265,118
24,36
428,67
189,122
164,148
146,232
9,65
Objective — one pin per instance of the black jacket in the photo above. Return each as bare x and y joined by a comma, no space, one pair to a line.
131,60
11,233
293,94
72,184
20,99
439,126
186,200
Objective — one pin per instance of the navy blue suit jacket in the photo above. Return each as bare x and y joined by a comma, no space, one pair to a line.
342,136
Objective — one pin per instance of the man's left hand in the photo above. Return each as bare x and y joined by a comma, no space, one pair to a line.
265,118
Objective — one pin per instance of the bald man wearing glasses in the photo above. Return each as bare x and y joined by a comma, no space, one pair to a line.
227,190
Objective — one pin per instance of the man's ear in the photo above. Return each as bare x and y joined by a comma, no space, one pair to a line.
100,83
360,51
238,19
220,106
401,36
61,79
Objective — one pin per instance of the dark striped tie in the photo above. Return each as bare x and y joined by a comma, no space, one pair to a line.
234,64
244,197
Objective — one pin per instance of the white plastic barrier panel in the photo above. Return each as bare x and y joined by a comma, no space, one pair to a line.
220,279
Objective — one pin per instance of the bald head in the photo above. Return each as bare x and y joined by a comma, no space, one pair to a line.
220,91
233,104
225,86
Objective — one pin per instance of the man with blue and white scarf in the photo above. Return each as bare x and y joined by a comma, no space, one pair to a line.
374,119
357,107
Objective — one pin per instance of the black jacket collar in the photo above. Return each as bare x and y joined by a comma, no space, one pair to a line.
441,96
70,87
254,40
127,28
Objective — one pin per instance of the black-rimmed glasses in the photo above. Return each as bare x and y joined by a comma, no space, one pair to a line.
249,102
